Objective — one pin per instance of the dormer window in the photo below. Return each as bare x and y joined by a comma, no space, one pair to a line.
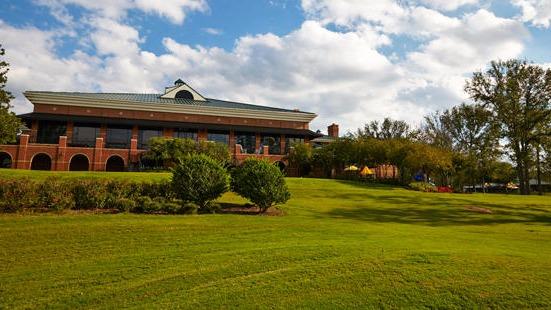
181,90
184,94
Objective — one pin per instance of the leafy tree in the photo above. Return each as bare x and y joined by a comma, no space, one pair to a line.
218,151
200,179
502,172
474,135
168,151
435,132
428,159
388,129
9,123
300,156
519,96
261,182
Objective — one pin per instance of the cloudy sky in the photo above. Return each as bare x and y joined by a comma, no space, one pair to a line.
349,61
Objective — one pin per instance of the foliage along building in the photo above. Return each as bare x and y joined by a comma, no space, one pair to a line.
110,131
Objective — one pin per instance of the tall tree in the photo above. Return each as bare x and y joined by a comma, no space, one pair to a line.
434,131
519,96
475,135
388,129
9,123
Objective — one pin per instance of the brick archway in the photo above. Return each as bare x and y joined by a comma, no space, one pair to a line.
41,161
6,161
115,163
79,162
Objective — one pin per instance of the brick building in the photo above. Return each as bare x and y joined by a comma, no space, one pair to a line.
110,131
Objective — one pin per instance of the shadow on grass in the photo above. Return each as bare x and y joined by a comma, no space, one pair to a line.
432,209
247,209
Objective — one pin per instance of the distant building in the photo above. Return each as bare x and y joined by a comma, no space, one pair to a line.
110,131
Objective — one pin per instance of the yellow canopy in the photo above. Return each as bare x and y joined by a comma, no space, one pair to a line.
351,168
366,171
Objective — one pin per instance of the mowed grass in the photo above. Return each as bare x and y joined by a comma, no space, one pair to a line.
341,245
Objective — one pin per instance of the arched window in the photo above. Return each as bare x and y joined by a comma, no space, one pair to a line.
79,162
41,162
114,164
184,94
5,160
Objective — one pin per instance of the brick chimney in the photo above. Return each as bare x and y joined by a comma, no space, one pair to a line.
333,130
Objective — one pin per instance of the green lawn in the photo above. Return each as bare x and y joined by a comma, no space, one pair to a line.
341,245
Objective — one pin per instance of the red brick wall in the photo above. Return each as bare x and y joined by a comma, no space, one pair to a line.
61,154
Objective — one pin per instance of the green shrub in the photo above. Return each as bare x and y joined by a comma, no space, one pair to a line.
84,194
17,194
188,208
123,204
90,194
161,188
423,187
261,182
54,193
199,179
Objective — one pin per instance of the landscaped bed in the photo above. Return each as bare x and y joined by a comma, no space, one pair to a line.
339,244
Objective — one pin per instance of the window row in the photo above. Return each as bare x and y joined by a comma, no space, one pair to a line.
84,135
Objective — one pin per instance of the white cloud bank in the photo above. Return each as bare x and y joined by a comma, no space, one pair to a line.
538,12
341,75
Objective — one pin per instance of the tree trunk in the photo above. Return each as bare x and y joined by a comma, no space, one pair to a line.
527,177
538,168
520,174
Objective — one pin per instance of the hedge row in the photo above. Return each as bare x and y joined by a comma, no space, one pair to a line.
59,194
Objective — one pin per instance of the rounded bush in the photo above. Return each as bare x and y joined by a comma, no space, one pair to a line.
261,182
199,179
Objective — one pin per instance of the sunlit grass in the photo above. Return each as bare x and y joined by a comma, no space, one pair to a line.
341,245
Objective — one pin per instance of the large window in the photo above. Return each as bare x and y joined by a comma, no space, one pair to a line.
290,141
185,134
84,135
145,134
49,132
118,137
219,136
247,141
273,141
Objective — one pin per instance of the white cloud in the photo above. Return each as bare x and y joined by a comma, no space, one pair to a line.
341,75
174,10
213,31
448,5
538,12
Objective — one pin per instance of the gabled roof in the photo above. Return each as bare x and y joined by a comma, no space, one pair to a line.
156,98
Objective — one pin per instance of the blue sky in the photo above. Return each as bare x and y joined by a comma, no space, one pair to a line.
350,61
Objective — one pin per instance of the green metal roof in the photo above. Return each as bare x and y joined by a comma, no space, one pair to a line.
156,98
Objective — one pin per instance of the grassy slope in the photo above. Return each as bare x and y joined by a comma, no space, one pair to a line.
341,245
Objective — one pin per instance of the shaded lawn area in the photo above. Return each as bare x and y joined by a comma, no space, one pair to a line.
341,245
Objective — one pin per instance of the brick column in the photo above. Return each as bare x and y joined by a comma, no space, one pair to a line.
202,135
232,142
69,132
103,131
266,150
60,160
133,151
257,142
34,131
97,164
168,132
21,161
282,144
